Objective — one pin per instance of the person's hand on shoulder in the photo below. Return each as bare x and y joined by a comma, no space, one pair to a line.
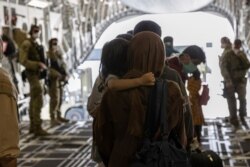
147,79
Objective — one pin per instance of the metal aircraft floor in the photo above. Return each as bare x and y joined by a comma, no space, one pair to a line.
70,144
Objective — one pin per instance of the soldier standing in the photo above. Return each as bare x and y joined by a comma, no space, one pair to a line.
31,59
234,71
57,75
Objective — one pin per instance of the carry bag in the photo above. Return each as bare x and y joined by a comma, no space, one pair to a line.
206,158
204,97
159,153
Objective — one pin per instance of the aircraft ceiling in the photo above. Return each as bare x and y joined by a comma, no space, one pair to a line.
166,6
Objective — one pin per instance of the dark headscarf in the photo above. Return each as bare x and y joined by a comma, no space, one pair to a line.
145,54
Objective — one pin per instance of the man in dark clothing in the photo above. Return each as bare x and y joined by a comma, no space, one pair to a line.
187,61
169,46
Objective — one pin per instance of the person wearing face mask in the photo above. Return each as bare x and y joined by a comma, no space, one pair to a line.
57,74
187,61
31,59
9,139
234,65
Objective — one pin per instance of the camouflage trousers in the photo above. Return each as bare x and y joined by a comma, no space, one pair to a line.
54,97
36,102
239,88
55,93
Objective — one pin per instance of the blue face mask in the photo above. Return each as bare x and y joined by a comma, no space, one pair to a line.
189,68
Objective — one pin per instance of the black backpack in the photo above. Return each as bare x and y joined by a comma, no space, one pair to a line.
206,158
163,152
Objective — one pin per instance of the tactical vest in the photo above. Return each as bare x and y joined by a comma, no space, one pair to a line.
235,69
55,61
33,53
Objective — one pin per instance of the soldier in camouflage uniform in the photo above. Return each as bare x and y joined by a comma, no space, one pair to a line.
57,74
31,60
234,71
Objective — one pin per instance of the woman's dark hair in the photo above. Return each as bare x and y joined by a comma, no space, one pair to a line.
125,36
114,58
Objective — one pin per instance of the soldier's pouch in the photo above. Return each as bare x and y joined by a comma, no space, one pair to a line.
244,62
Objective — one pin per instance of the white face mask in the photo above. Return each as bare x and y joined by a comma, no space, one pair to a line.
55,47
168,43
35,35
223,45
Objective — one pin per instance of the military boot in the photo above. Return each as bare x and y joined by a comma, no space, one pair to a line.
61,119
41,132
54,122
31,129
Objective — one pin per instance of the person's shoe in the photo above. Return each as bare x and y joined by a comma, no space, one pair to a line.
41,132
31,130
54,122
61,119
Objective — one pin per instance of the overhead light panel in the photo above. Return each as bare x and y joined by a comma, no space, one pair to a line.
74,2
39,3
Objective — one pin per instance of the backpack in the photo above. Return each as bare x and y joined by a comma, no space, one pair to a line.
206,158
163,152
94,99
244,62
204,97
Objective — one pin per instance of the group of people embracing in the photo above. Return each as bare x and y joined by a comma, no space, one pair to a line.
130,66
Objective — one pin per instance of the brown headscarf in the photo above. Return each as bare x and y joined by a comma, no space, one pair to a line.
120,122
145,54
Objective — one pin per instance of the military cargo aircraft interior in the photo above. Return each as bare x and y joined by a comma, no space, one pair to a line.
107,83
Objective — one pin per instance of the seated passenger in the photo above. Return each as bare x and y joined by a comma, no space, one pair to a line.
120,121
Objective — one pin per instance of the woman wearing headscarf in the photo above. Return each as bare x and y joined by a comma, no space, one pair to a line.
120,122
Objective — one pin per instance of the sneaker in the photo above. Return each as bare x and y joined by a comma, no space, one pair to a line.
61,119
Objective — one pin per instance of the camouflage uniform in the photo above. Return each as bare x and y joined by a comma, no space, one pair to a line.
30,59
55,88
233,71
